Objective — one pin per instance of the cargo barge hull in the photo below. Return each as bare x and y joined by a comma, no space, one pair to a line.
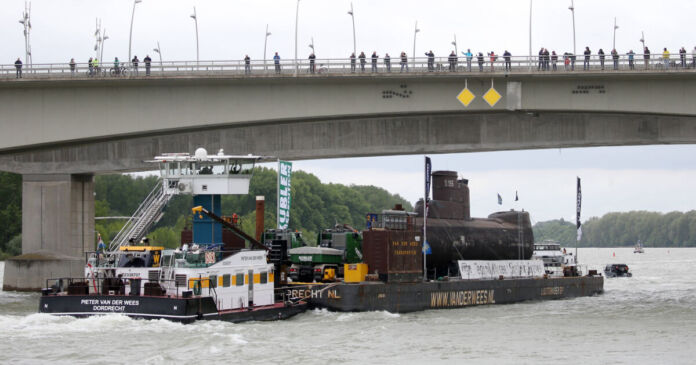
412,297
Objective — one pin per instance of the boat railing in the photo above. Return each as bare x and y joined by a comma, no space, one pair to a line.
88,286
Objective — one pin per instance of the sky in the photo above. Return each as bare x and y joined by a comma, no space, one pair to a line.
655,178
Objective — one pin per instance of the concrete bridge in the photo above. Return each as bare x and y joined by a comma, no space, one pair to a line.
59,131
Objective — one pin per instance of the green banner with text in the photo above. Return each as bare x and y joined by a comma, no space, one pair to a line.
284,172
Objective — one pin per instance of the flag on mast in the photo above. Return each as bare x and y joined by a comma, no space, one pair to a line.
500,199
516,197
579,205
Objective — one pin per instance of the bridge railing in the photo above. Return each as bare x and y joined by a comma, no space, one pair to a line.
477,64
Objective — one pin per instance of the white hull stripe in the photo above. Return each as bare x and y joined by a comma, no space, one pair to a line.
127,314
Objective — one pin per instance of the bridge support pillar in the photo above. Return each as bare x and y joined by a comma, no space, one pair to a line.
57,229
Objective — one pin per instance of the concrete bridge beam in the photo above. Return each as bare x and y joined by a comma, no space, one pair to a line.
57,229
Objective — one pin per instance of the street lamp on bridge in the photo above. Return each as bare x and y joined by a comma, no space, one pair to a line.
265,41
130,38
103,41
415,32
642,40
352,16
158,50
572,10
297,17
615,28
26,22
195,19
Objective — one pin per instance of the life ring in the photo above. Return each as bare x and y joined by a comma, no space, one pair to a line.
197,287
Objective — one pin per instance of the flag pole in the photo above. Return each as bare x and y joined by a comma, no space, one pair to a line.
577,219
278,197
425,217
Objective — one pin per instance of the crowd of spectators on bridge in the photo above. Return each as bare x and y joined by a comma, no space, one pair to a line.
545,61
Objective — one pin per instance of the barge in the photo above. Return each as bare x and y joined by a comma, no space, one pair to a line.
468,261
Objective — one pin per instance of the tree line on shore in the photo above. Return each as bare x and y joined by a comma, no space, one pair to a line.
316,206
652,229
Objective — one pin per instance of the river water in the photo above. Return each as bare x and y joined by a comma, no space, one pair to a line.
649,318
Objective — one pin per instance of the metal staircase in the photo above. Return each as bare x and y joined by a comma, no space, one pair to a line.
147,214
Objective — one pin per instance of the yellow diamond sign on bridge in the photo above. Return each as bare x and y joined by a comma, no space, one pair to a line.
492,97
466,97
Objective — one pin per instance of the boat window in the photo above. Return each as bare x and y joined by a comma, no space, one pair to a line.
239,281
213,281
226,280
247,167
219,169
264,277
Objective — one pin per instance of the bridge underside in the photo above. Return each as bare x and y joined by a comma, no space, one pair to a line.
364,136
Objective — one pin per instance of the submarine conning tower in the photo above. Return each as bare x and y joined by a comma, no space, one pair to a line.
454,235
450,197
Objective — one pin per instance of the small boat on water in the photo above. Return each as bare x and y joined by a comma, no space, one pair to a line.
617,270
638,248
556,260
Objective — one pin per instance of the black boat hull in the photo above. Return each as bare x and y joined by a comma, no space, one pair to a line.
185,310
411,297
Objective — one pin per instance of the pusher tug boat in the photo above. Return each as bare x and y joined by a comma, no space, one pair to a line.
217,278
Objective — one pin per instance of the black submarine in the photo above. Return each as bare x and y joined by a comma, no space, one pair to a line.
454,235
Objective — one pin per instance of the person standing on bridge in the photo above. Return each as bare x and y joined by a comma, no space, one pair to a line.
469,56
362,61
508,62
452,61
352,62
117,70
554,60
95,65
631,57
646,57
693,56
682,57
480,61
431,61
374,61
312,58
148,62
540,60
18,66
493,58
615,58
276,62
404,62
135,61
90,67
665,58
601,58
387,62
247,65
72,67
586,64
